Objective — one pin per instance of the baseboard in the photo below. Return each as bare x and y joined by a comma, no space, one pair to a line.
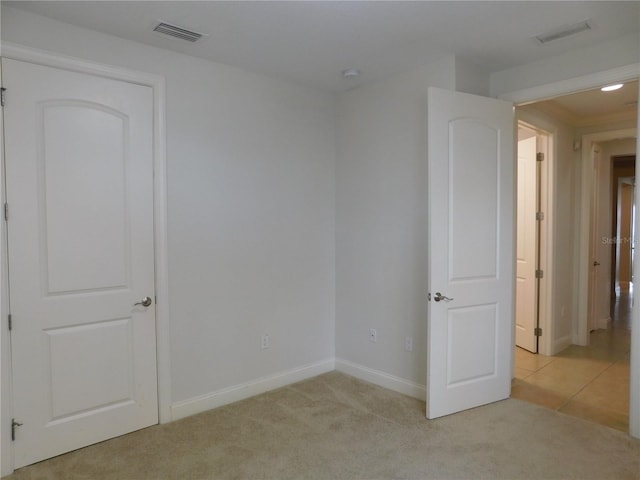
202,403
382,379
603,323
560,344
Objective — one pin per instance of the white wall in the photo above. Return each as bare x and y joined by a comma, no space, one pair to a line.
250,209
381,226
616,53
471,78
623,146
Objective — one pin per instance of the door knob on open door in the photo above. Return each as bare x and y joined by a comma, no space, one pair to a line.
438,296
146,301
596,263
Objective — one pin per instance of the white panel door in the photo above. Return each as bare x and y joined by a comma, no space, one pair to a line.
471,251
594,291
80,236
526,253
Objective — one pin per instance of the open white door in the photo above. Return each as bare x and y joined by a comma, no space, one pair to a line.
471,251
595,244
526,251
79,170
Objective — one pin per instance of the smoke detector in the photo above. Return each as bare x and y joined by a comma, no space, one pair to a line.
350,73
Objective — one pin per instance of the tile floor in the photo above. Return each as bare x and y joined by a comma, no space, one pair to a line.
588,382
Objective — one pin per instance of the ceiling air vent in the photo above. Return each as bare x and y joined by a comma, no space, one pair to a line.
562,32
178,32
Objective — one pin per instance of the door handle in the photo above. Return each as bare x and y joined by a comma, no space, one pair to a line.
145,302
595,264
438,296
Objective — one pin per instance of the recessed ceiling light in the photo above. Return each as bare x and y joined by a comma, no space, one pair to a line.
351,73
611,88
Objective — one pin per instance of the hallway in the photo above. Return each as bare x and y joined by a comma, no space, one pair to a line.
587,382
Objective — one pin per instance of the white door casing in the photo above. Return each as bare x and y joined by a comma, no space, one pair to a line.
586,234
471,251
526,250
79,169
634,361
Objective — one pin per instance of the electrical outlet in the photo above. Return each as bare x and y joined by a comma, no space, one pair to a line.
373,335
265,342
408,344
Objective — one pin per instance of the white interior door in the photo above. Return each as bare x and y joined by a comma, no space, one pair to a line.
471,251
80,240
594,293
526,254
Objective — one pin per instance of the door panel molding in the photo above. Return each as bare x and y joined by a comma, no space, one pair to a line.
471,202
157,85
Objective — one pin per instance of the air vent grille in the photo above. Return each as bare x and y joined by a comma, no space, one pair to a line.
178,32
562,32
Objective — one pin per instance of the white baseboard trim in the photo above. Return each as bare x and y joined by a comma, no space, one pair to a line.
561,343
603,323
202,403
382,379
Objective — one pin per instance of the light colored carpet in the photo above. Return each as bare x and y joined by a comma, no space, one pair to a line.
338,427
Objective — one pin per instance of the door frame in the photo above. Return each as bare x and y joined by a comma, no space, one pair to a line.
615,177
573,85
581,334
157,84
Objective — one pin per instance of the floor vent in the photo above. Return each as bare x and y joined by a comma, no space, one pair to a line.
178,32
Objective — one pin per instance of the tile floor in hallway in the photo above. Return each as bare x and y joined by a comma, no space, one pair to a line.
588,382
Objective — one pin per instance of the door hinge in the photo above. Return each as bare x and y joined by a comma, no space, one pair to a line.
540,157
6,212
537,332
2,96
539,274
540,216
14,425
10,322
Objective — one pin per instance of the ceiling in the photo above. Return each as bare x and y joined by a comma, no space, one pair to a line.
585,107
311,42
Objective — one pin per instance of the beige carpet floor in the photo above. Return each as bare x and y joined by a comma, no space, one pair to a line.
337,427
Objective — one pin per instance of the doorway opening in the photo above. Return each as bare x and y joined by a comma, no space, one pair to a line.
586,372
622,225
532,246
